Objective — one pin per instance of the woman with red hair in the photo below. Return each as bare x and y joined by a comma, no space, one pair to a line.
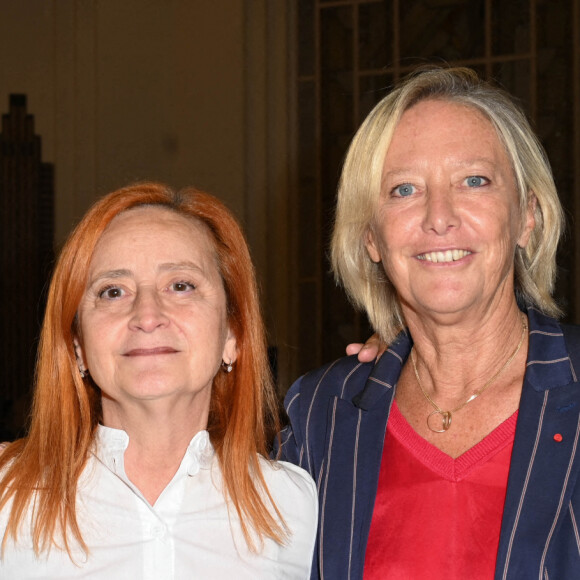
153,409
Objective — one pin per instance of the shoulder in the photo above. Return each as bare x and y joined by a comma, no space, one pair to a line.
286,479
344,378
293,492
553,338
572,339
294,495
571,335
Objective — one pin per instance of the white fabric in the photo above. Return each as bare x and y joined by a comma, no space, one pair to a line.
189,532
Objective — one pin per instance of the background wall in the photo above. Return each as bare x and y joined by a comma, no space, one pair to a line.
188,93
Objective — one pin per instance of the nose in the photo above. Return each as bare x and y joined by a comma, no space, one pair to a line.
440,210
148,312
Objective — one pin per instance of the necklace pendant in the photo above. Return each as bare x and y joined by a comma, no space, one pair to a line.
445,421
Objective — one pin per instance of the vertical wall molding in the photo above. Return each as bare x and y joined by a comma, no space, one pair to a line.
268,170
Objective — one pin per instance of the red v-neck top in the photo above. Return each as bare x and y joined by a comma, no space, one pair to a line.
437,517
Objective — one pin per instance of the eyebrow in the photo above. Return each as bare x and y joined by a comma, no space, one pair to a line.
405,171
185,265
164,267
475,161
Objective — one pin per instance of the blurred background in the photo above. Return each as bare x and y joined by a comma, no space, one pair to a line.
254,101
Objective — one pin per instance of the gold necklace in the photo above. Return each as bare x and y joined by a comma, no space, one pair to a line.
446,416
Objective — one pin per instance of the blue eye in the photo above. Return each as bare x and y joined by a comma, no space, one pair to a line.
404,190
476,181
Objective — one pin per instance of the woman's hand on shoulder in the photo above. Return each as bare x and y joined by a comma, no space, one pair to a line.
373,348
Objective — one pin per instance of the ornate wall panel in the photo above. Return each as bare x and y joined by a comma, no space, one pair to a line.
351,51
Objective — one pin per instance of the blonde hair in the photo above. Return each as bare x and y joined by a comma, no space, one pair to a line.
360,188
43,469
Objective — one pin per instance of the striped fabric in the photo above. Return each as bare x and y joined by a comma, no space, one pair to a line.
338,416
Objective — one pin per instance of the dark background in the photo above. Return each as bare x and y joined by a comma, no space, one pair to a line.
338,59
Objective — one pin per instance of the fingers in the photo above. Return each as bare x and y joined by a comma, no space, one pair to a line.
372,348
368,351
354,348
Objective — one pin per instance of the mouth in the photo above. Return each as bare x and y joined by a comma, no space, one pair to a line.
150,351
446,256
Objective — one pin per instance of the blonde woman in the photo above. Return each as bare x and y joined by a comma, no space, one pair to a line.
455,454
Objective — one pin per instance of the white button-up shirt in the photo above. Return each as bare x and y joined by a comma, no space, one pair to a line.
189,533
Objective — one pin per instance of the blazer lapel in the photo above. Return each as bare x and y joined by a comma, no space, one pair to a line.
349,479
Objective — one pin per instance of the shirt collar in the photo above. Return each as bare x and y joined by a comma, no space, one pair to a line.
110,446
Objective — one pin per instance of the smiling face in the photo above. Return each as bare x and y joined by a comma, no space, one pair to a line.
448,219
153,321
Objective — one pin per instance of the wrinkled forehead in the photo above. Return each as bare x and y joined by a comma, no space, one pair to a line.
431,107
156,229
497,122
427,110
124,223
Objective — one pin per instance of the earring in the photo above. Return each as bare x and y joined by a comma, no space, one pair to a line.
82,371
227,366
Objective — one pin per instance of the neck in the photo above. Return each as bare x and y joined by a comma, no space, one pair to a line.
454,361
158,440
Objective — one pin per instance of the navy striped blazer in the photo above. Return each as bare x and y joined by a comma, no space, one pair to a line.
338,416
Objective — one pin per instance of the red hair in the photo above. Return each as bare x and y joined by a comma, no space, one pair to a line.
45,466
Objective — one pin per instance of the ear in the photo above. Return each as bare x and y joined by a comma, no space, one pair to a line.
371,246
529,221
80,355
230,353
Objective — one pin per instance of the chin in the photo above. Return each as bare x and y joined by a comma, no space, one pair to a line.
151,392
446,296
447,304
152,386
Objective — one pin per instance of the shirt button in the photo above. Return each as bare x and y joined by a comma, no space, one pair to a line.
158,532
